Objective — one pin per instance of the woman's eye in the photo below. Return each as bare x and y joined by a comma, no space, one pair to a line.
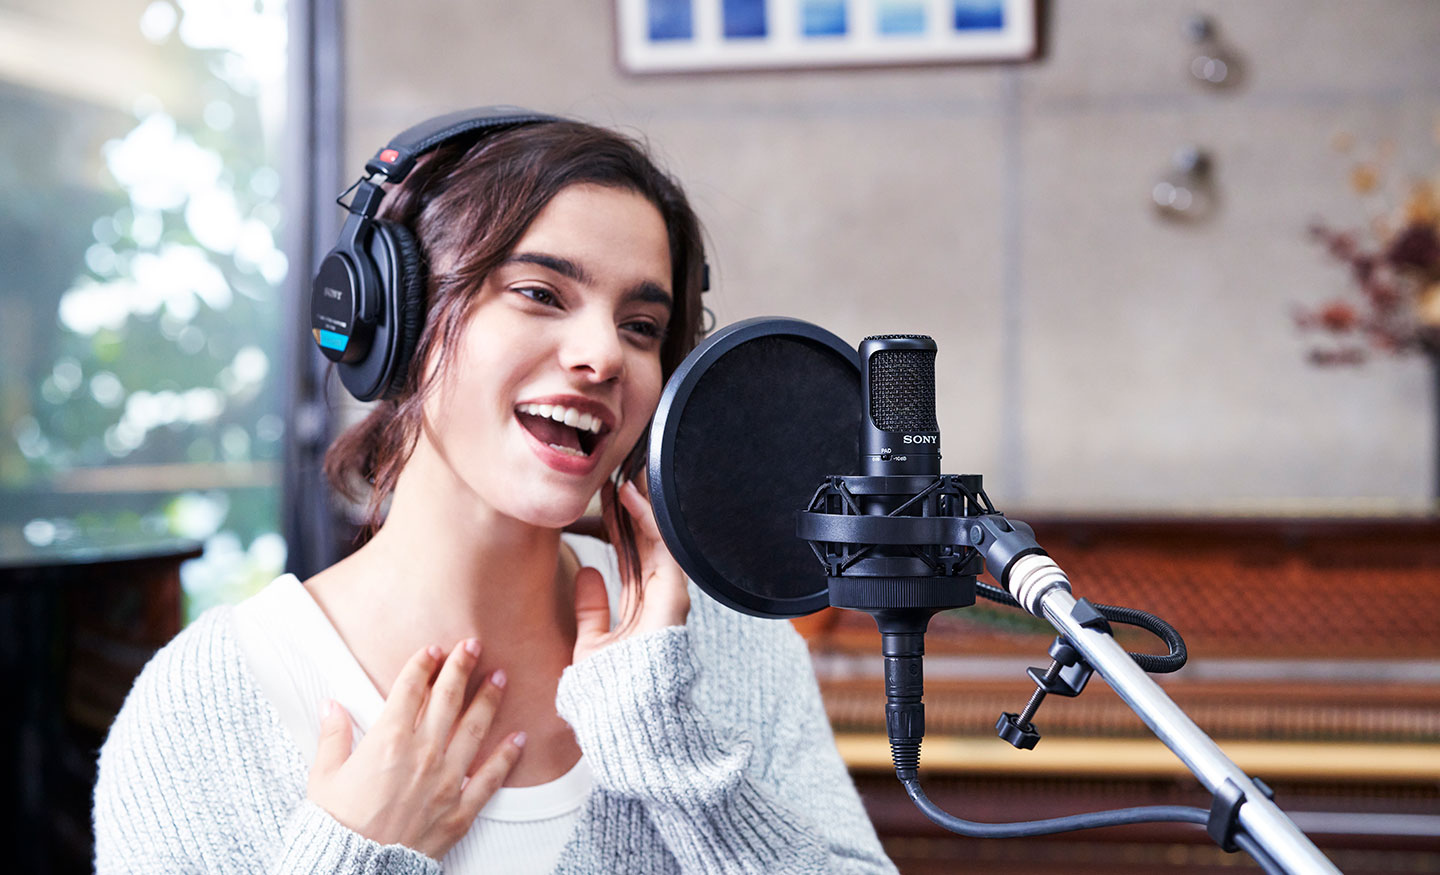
645,328
537,294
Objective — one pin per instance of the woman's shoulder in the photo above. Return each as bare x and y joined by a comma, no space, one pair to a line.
192,695
196,763
189,665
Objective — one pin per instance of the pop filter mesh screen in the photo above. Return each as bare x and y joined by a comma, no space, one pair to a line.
771,419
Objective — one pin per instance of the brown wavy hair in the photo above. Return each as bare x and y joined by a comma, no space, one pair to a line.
468,205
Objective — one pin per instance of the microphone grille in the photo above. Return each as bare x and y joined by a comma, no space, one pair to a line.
902,388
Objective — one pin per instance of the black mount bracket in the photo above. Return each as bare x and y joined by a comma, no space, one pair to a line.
1225,812
1067,676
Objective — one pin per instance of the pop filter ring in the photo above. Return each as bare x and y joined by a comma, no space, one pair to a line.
664,492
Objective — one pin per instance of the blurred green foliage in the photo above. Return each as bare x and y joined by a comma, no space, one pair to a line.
140,317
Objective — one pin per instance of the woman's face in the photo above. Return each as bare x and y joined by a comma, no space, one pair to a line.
559,366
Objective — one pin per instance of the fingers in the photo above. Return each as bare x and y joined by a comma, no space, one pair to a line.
592,605
491,774
667,603
638,506
474,723
447,696
407,694
333,747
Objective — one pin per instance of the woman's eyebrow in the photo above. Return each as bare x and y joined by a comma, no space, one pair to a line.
645,292
650,293
563,266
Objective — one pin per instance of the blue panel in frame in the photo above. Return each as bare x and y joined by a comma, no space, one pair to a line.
670,20
823,18
979,14
743,18
900,17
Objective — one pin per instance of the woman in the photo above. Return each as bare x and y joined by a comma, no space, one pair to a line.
455,691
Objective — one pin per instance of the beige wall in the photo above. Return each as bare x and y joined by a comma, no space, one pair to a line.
1092,356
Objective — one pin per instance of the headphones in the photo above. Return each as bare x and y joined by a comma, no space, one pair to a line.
367,301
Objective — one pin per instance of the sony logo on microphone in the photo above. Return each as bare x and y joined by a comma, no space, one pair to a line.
921,438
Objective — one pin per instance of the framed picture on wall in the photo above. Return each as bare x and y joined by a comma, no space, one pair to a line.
666,36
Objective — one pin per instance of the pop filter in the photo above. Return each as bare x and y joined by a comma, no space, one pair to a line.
749,425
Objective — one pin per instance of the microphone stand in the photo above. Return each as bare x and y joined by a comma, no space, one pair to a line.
1240,804
955,522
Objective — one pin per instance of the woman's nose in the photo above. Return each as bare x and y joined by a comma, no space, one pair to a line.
595,350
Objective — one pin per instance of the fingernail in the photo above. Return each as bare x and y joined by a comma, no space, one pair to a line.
519,740
434,651
326,707
498,678
472,646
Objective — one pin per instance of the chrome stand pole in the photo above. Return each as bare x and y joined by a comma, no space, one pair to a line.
1261,818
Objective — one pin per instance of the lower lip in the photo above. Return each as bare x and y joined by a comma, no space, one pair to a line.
562,462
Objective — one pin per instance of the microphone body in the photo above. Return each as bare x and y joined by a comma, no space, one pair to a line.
899,434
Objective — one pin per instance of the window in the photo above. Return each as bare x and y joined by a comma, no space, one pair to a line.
140,318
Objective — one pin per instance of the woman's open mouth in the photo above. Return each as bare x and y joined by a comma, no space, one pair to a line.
565,430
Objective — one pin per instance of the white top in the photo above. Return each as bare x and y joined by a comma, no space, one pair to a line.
300,661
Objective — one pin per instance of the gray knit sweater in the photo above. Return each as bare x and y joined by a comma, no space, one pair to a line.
709,745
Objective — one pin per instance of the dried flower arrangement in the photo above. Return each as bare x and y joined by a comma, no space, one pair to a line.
1394,304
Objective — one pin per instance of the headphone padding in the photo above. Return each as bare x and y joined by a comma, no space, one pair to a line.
410,318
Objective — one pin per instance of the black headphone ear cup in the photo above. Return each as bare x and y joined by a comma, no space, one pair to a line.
409,288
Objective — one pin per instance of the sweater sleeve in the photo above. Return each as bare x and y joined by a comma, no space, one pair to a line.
197,776
765,793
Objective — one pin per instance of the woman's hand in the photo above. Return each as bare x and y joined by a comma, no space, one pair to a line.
414,778
666,601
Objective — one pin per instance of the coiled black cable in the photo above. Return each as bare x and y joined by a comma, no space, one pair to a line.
1172,661
1089,820
1049,826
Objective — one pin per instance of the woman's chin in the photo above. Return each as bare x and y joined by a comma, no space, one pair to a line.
555,513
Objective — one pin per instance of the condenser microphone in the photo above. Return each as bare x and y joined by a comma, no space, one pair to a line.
899,434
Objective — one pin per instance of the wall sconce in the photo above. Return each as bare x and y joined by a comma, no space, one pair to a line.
1186,192
1212,63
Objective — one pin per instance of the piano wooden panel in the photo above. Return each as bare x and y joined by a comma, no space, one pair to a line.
76,627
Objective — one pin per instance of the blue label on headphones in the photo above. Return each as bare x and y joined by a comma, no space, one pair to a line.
332,340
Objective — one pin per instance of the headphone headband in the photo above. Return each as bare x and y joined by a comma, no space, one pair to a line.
398,157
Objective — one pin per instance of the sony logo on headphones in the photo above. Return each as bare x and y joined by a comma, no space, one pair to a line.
332,294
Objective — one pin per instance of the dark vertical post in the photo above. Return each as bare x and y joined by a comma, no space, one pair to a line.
315,148
1433,354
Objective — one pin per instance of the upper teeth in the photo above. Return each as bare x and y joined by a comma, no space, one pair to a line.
567,415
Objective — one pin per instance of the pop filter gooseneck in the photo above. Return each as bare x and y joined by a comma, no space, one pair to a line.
754,418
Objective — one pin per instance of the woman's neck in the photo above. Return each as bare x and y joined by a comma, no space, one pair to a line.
445,567
471,571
